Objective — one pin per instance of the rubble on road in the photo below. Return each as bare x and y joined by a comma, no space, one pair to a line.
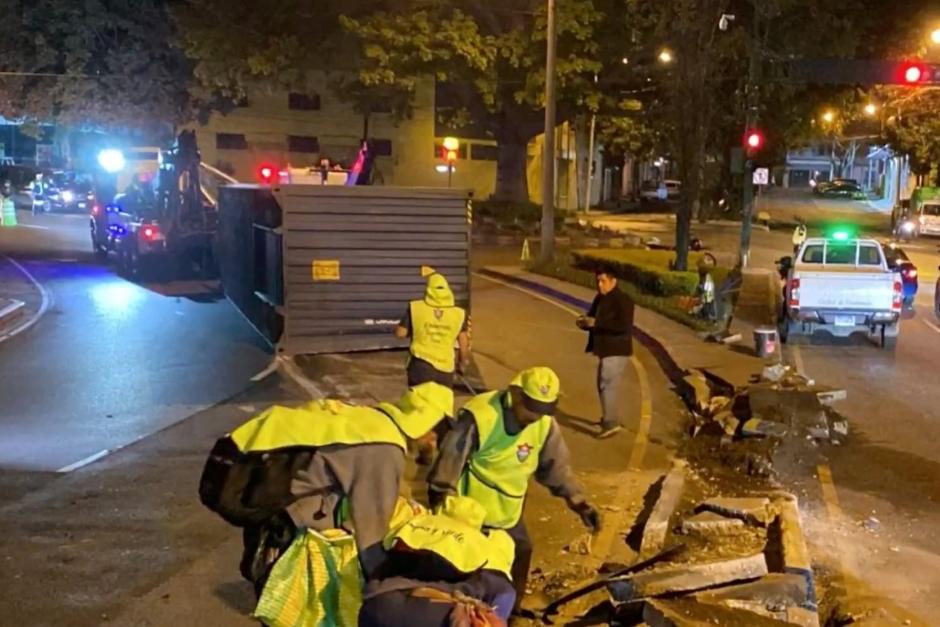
743,561
777,406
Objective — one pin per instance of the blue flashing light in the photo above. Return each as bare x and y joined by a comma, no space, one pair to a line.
111,160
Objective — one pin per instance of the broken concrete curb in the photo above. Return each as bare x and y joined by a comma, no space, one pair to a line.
657,525
710,523
796,559
686,578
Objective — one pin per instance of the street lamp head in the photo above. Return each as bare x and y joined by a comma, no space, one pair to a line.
665,56
828,116
625,60
871,109
935,36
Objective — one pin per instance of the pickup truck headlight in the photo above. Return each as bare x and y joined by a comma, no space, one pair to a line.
68,196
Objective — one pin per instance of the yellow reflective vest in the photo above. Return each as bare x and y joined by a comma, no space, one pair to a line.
466,548
318,423
433,333
497,474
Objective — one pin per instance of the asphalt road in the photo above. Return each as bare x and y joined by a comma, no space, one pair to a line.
111,361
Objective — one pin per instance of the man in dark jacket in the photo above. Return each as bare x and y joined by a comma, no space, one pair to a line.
609,323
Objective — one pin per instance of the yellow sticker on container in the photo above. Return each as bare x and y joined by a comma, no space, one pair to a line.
326,269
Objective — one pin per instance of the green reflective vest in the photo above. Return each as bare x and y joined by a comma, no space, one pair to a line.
466,548
433,333
497,474
318,423
7,212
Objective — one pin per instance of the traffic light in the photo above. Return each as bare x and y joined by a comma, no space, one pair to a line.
753,140
266,174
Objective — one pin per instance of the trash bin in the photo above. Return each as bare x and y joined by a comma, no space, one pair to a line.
765,341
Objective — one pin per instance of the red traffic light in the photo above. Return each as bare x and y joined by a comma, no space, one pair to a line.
266,174
754,140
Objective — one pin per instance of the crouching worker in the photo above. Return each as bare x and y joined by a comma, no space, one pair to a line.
324,465
442,569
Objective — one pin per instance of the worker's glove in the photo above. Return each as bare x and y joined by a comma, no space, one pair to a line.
590,517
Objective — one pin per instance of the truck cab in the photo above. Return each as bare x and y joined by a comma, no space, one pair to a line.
842,286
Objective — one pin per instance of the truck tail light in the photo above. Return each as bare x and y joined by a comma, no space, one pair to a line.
795,292
909,273
149,233
898,297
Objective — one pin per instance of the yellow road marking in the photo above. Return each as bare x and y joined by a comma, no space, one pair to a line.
602,543
931,325
798,359
834,510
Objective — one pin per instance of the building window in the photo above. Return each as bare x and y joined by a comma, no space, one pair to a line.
230,141
301,143
439,150
303,102
381,147
483,152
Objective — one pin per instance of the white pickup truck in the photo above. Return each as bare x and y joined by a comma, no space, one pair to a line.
842,286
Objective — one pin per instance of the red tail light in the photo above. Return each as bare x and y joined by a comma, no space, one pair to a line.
150,232
909,273
898,298
795,292
96,210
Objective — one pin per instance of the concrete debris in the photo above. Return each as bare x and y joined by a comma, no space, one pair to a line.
581,545
828,397
657,525
774,373
696,391
774,593
758,428
753,510
872,524
686,578
728,422
793,548
841,427
690,613
710,523
718,404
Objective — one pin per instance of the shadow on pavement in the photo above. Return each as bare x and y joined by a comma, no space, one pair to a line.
237,594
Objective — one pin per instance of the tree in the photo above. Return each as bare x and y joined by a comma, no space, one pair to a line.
491,57
98,63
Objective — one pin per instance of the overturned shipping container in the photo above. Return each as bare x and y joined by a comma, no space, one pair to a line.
319,269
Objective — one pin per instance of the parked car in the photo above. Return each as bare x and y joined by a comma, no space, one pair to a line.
899,262
843,286
840,188
650,190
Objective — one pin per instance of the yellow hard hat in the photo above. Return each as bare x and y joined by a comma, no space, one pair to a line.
420,408
540,387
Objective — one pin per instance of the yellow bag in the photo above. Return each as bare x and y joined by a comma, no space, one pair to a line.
317,582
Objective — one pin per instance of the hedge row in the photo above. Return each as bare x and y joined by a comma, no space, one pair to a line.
647,270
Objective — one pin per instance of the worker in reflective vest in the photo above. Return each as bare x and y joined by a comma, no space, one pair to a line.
440,563
323,465
499,441
434,324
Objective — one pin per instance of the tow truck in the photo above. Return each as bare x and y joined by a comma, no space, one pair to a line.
841,285
164,221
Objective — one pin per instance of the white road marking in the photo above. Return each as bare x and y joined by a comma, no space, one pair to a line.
84,461
931,325
291,369
248,409
264,373
46,302
34,226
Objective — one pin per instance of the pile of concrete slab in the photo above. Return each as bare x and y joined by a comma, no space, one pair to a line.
769,582
779,403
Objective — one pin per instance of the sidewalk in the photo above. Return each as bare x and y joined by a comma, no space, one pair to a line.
677,347
20,299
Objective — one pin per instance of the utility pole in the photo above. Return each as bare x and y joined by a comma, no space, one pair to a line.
751,95
547,249
590,160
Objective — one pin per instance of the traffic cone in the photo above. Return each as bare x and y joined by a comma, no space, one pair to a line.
525,256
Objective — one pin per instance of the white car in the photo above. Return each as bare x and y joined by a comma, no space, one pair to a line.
842,285
650,190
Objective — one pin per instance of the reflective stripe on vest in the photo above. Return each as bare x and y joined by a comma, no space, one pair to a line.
433,333
315,424
464,547
497,474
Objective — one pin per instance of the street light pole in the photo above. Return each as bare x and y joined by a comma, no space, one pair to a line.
547,249
747,195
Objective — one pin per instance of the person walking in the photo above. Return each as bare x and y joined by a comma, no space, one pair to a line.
7,206
500,440
609,323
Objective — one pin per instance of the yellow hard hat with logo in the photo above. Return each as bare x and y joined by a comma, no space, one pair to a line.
540,387
421,408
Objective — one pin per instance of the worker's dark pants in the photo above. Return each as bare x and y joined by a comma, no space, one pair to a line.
399,609
523,558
